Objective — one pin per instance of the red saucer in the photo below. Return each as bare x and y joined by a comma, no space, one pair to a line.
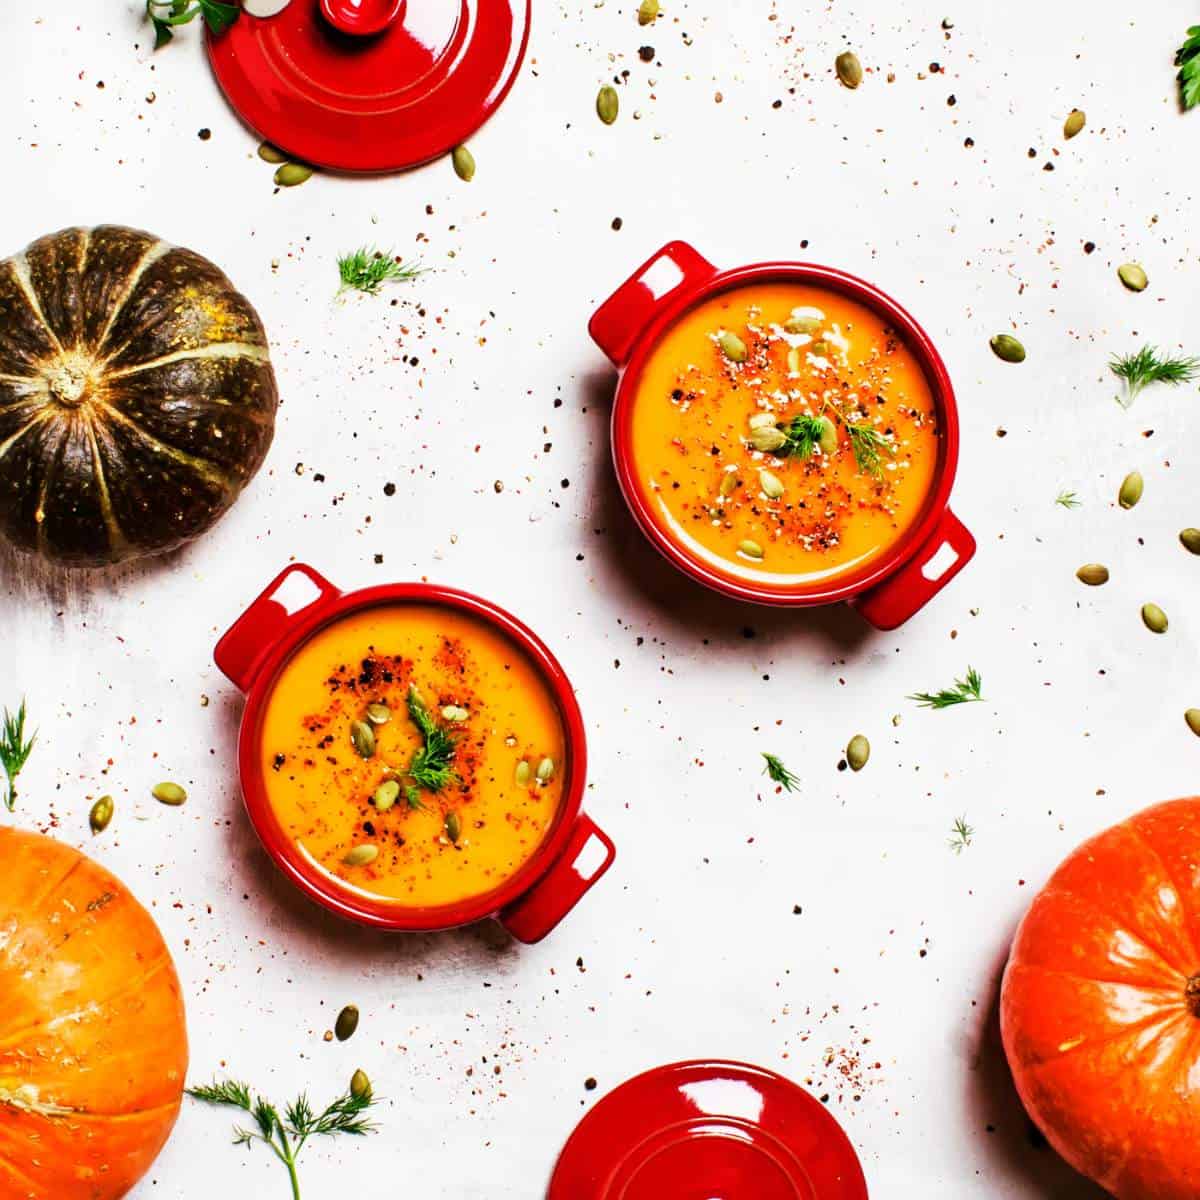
708,1131
378,103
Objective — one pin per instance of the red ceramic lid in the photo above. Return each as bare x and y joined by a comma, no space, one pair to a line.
708,1131
372,103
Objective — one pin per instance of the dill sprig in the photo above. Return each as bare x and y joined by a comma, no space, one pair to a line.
14,751
286,1135
1187,59
1067,500
960,835
1147,366
431,768
869,446
779,773
166,14
368,268
963,692
803,433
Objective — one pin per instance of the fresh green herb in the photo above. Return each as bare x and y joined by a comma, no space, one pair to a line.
1149,366
803,435
367,269
1067,500
1187,59
431,768
286,1135
780,774
14,751
960,835
166,14
963,691
868,445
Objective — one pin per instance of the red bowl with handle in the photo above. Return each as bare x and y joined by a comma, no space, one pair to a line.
575,852
892,586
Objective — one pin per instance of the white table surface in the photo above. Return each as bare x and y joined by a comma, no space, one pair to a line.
690,947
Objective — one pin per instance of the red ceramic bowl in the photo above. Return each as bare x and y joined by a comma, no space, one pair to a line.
889,589
575,852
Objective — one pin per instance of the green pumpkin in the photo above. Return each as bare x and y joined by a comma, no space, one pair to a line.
137,398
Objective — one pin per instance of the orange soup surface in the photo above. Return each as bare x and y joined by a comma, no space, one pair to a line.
414,753
784,434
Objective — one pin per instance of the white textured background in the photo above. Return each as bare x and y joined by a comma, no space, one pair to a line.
690,946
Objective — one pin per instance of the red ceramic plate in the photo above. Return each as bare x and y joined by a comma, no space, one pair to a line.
377,103
708,1131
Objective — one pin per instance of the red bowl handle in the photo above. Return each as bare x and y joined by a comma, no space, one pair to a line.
537,912
257,631
898,597
616,324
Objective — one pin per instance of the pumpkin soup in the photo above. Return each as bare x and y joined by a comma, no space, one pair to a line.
783,433
413,752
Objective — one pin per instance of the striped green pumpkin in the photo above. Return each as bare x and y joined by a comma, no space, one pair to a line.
137,397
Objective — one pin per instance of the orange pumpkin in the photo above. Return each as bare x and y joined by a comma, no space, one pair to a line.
93,1046
1100,1006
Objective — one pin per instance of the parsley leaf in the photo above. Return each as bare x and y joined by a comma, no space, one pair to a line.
1187,59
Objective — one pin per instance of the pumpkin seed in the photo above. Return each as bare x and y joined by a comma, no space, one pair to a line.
464,163
768,438
751,549
1007,348
290,174
545,770
101,814
1093,574
169,793
1133,276
362,737
608,104
378,714
524,772
648,12
793,361
386,794
1131,489
733,347
1074,123
346,1023
849,69
1192,717
360,1085
360,856
803,323
453,826
452,712
828,440
761,420
858,750
1154,618
820,349
271,154
771,485
1190,539
729,482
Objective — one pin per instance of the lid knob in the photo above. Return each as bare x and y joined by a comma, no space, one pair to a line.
363,18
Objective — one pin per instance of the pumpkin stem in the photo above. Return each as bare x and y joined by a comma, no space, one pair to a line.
1191,995
69,379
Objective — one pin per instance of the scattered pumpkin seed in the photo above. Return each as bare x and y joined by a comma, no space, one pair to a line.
271,154
820,349
648,12
1191,539
771,485
1131,489
1076,120
346,1023
793,360
760,420
360,1084
1154,618
849,69
359,856
858,750
729,482
767,438
608,104
1006,348
1133,276
828,441
362,737
290,174
169,793
464,163
1192,717
733,347
101,814
455,713
803,323
545,770
386,794
1093,574
751,549
524,773
453,826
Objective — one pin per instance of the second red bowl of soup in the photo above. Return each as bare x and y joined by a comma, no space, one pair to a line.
785,433
412,757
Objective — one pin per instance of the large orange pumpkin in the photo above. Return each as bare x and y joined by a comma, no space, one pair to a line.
1100,1006
93,1046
